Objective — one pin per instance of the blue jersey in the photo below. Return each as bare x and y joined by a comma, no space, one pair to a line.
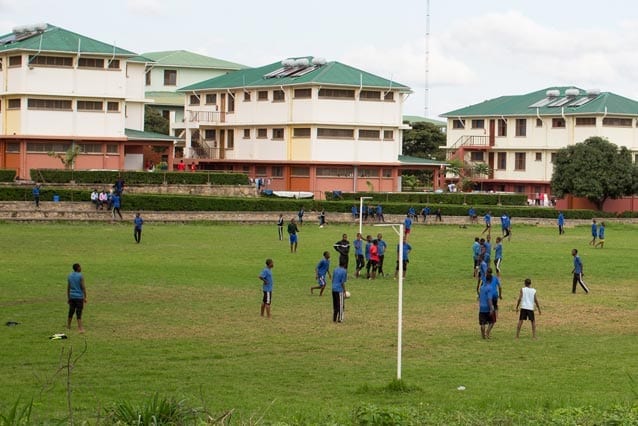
496,286
486,293
381,245
488,219
578,265
358,247
379,210
561,219
498,251
482,270
601,232
406,251
75,285
322,267
138,222
594,230
407,223
368,245
266,275
339,277
471,212
36,191
476,249
116,201
505,221
488,251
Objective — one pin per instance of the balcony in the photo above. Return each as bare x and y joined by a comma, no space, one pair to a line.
205,117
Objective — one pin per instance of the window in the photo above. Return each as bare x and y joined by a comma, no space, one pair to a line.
48,146
113,64
262,133
211,98
193,100
13,146
334,172
113,106
501,161
300,171
336,93
388,135
538,156
246,96
521,127
278,96
369,134
112,148
90,62
262,95
519,161
278,133
303,93
363,172
170,77
476,156
246,133
478,124
148,76
277,171
90,106
558,122
261,170
620,122
335,133
230,139
231,103
13,104
386,173
15,61
585,121
539,122
210,134
53,104
389,97
51,61
520,189
370,95
301,132
90,148
458,124
553,158
501,128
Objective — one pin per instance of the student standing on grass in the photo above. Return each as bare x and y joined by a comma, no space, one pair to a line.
322,269
561,223
506,226
601,235
407,226
339,278
488,223
267,281
578,273
76,296
374,260
498,256
594,233
137,231
526,300
497,290
407,248
292,233
486,310
368,249
381,247
300,215
116,205
280,227
358,253
36,194
343,247
476,252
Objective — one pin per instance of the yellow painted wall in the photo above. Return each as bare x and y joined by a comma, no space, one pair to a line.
300,150
13,122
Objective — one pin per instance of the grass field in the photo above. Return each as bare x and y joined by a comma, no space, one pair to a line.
178,315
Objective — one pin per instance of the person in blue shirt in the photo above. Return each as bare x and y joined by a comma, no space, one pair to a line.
116,205
355,212
561,223
412,214
578,273
76,296
406,258
322,269
379,213
488,223
137,231
36,194
358,254
292,235
601,235
369,245
339,278
407,227
488,250
497,290
267,286
425,212
381,247
498,256
594,233
472,215
506,226
476,252
482,273
300,214
486,310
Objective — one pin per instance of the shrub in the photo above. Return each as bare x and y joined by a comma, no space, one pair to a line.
7,175
108,177
155,411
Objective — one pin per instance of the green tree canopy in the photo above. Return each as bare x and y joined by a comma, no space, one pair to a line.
595,169
424,140
155,122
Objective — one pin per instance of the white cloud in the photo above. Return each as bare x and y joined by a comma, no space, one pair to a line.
146,7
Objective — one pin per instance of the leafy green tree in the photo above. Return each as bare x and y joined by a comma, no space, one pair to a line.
481,169
595,169
424,140
155,122
68,158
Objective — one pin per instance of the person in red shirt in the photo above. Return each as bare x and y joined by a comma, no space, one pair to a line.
374,259
181,166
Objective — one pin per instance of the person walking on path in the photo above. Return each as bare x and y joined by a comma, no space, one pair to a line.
594,233
117,202
339,278
322,269
526,300
292,234
578,273
601,235
267,286
137,231
76,296
488,223
36,194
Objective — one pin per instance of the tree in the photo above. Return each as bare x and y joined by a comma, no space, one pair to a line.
155,122
481,169
68,158
595,169
424,140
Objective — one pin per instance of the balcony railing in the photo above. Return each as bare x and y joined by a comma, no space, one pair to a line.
204,117
470,140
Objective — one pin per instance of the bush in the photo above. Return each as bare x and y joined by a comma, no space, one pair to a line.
7,175
108,177
461,198
155,411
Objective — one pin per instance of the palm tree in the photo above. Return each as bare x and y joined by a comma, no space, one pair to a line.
481,169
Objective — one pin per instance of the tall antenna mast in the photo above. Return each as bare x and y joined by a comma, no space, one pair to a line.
427,60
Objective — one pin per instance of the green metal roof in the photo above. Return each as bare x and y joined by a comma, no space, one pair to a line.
132,134
410,160
523,105
186,59
166,98
332,73
56,39
419,119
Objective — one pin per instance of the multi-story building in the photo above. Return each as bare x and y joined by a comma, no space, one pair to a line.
60,90
518,136
178,68
302,124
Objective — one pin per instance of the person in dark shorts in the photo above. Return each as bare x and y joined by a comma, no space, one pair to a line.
280,227
137,231
267,281
486,310
526,301
322,269
578,273
76,296
358,253
339,278
292,234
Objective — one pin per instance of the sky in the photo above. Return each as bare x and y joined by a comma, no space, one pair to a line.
477,50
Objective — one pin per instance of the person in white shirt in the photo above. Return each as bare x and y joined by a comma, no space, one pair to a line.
526,301
95,198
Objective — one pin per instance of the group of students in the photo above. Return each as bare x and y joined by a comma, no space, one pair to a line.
369,212
111,200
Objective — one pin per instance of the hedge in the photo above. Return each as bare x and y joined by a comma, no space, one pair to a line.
7,175
463,198
51,176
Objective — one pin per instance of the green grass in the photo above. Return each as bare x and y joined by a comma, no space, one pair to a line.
178,316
